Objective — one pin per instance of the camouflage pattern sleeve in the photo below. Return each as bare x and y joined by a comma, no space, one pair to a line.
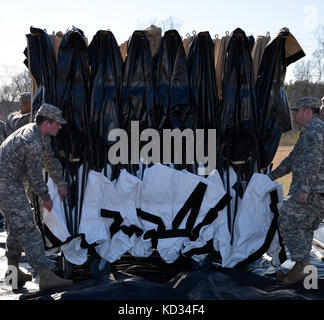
52,164
34,166
313,156
15,121
284,167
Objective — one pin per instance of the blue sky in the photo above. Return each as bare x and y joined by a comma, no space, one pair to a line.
124,16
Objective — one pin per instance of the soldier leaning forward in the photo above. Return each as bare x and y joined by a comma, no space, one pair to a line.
22,156
301,214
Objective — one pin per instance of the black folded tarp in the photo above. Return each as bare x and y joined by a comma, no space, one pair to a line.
74,140
238,120
204,102
172,89
172,86
137,85
137,94
73,92
106,78
42,65
273,109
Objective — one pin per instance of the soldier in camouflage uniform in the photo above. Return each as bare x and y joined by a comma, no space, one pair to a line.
17,119
301,214
22,156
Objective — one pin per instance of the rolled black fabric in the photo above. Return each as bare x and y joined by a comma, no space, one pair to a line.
106,79
205,113
273,108
238,118
42,65
73,92
172,86
137,86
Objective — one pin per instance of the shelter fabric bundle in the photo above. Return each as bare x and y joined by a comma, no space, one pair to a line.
171,211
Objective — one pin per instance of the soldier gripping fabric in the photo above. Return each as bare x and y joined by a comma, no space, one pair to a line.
301,214
22,156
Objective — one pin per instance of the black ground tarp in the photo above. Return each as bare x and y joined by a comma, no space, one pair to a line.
152,279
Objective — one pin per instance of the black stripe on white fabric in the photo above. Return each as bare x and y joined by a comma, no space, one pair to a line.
57,242
270,234
116,225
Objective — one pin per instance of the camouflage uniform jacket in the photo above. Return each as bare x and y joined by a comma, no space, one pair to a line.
2,133
14,121
22,156
306,160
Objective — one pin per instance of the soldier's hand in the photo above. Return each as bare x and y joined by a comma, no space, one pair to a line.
63,191
48,205
302,197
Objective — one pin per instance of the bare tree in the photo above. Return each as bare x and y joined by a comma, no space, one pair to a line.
10,89
312,70
318,55
303,71
16,84
165,25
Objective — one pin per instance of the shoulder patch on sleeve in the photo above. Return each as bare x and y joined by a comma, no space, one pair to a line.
312,140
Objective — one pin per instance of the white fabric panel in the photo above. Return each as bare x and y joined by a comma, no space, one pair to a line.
74,253
55,220
130,190
214,193
252,221
164,192
91,223
123,198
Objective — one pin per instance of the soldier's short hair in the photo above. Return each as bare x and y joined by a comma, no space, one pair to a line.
41,119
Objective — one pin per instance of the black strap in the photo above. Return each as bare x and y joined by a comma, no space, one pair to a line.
274,208
238,189
206,249
151,234
57,242
211,216
269,237
194,203
116,225
151,218
118,220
